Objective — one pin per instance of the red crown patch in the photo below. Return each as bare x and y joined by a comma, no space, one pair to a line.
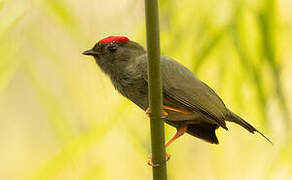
113,39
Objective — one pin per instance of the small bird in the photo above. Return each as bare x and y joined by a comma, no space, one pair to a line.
189,105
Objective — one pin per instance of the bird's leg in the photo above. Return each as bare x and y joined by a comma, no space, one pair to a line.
148,111
180,131
176,110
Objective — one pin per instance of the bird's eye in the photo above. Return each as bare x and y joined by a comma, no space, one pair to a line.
112,48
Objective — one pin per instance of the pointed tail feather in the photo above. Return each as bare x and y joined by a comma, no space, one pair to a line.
238,120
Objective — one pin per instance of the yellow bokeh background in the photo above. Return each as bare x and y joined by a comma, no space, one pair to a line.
60,117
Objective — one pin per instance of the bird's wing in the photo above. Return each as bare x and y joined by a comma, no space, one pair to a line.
180,84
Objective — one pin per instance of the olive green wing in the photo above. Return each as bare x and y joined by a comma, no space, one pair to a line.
180,84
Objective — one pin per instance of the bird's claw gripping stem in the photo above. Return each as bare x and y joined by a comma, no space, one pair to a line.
148,113
150,162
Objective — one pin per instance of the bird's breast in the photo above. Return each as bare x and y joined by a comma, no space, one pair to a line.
135,89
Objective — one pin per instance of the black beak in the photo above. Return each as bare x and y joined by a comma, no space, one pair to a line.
90,53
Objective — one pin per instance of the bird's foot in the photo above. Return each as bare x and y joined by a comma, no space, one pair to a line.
148,112
150,162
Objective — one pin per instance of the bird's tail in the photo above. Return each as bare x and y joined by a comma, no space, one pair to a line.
238,120
204,131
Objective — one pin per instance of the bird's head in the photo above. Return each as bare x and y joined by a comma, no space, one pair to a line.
114,52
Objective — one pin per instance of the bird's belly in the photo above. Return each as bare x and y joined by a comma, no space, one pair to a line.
135,90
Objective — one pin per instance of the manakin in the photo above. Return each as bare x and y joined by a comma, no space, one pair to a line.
189,105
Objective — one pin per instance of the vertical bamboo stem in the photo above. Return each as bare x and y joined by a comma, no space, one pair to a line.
155,90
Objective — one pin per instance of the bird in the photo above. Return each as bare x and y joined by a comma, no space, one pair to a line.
189,104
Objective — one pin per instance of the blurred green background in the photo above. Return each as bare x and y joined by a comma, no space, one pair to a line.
60,117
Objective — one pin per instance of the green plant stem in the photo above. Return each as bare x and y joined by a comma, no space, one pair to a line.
155,90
